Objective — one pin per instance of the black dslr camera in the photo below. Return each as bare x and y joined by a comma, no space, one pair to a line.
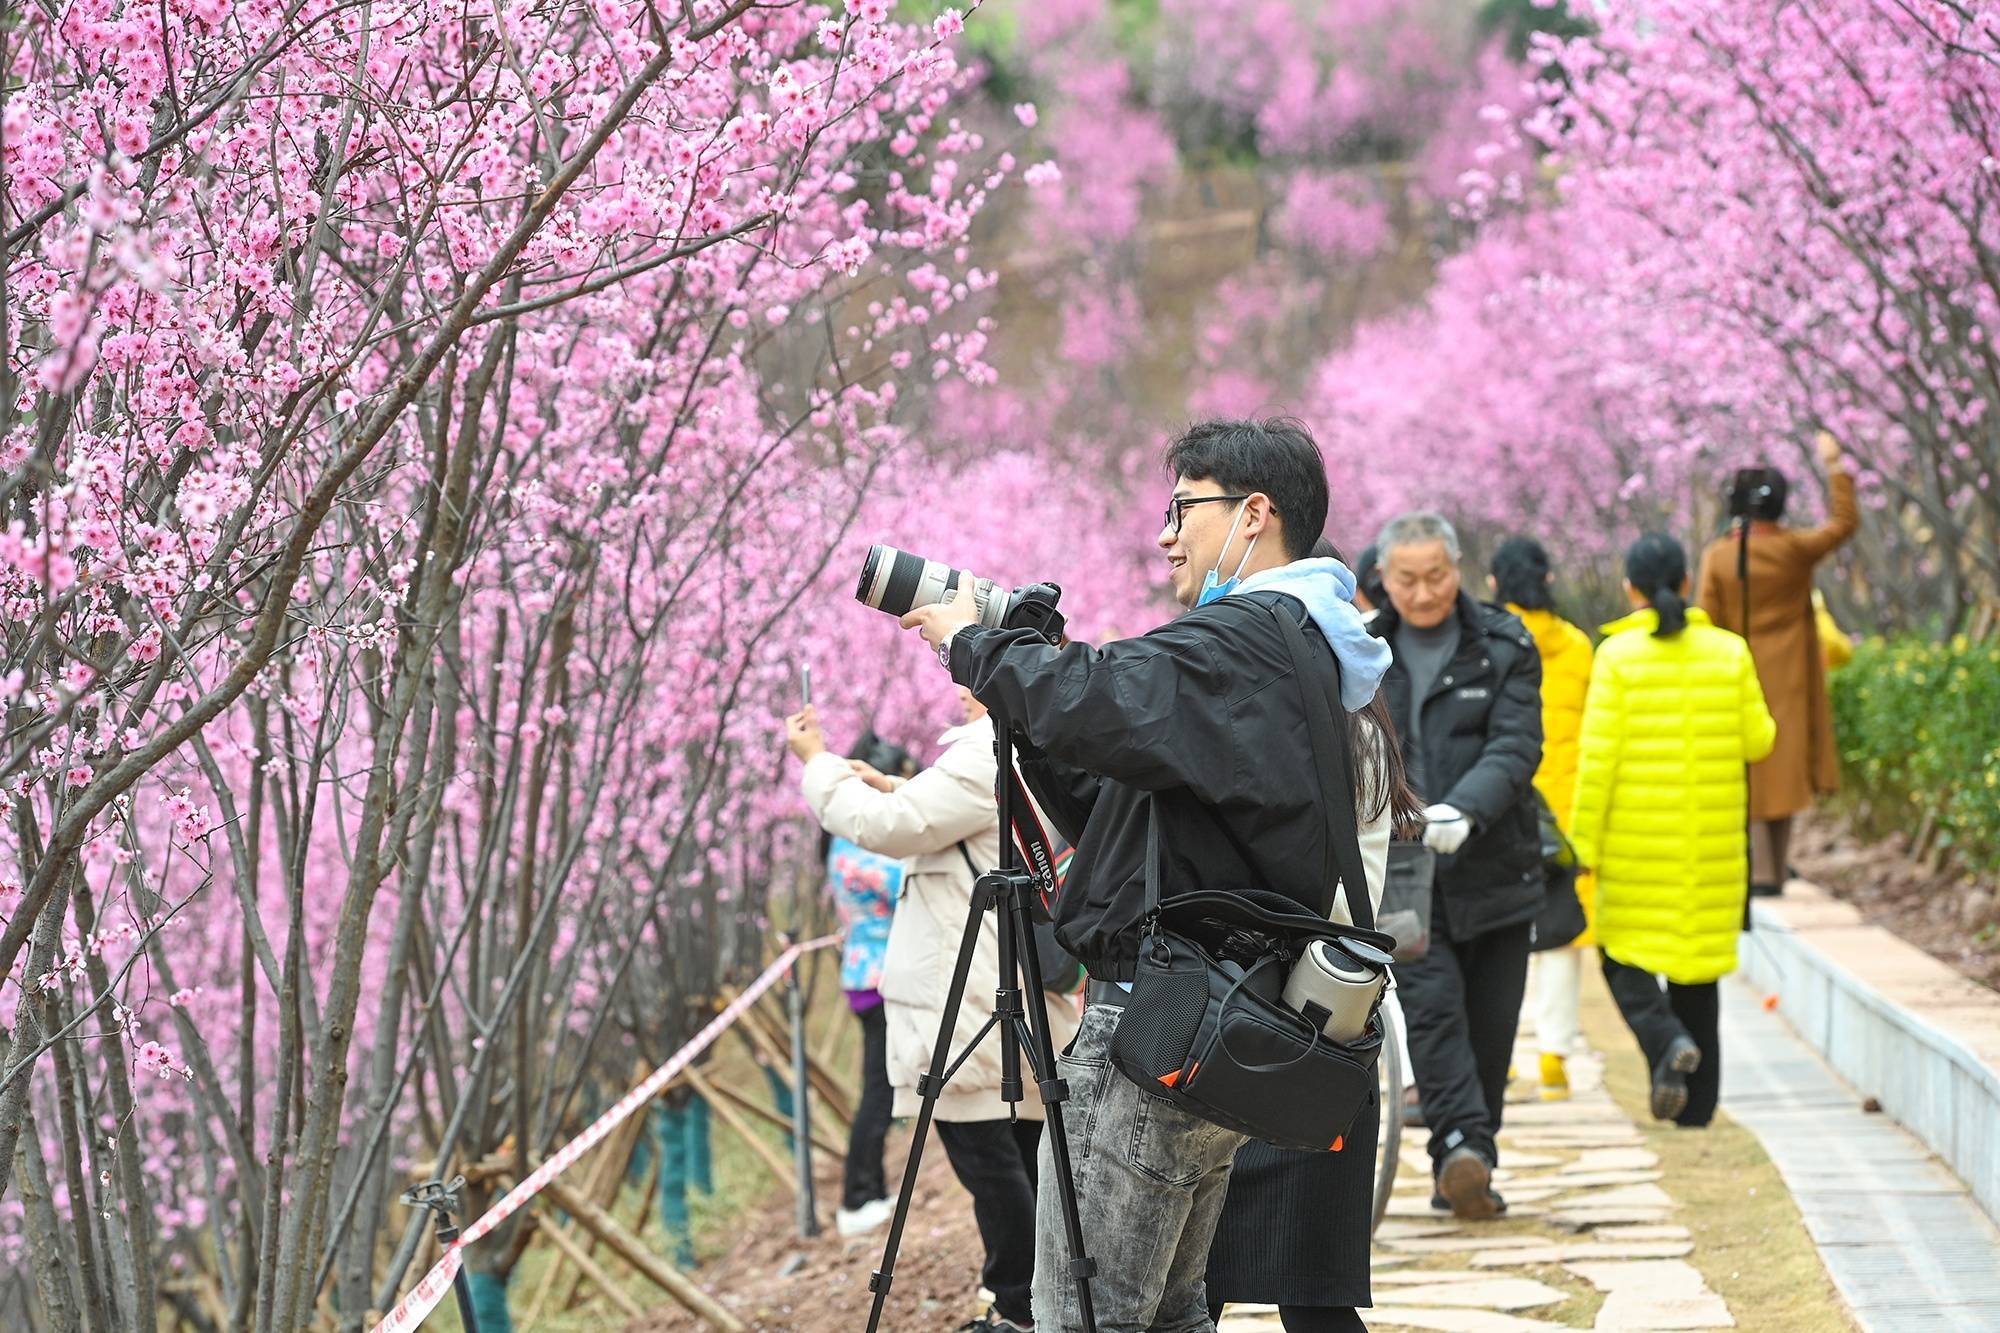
895,581
1757,493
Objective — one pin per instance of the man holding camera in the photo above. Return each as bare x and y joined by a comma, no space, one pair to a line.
1197,732
1465,693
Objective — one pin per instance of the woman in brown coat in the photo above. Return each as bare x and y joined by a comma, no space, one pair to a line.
1784,640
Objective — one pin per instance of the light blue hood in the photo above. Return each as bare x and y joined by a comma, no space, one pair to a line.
1327,588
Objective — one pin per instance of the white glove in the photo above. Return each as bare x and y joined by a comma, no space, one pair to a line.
1445,828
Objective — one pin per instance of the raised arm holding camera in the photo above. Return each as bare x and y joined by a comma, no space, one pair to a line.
943,822
1758,581
1198,739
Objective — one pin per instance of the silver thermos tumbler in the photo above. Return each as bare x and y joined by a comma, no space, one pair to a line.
1336,984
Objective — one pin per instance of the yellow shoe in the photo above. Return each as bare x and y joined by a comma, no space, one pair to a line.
1555,1078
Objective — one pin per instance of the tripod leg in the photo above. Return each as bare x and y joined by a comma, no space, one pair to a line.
1008,1013
1055,1092
928,1087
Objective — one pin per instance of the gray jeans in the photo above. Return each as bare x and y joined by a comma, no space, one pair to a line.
1150,1181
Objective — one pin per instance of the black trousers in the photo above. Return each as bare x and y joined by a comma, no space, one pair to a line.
864,1181
995,1161
1308,1318
1463,1003
1657,1016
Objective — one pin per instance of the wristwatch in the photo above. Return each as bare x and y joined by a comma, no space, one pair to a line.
944,650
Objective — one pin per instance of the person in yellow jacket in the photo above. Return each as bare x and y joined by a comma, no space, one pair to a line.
1523,580
1674,715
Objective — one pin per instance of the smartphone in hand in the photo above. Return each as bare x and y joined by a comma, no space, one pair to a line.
805,685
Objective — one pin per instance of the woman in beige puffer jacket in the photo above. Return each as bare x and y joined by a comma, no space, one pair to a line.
923,820
926,820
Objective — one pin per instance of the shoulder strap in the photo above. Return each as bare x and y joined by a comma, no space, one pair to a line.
1343,856
1152,857
1343,848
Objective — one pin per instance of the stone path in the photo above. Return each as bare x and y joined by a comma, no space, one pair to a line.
1583,1192
1901,1235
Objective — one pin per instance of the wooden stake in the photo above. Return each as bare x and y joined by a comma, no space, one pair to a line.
749,1135
589,1267
776,1044
770,1117
608,1179
644,1217
601,1160
670,1279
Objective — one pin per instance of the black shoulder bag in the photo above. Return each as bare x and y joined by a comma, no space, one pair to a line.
1205,1029
1561,919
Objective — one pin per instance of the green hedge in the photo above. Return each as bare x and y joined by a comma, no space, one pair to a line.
1918,726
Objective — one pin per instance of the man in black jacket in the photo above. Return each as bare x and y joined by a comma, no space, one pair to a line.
1201,728
1465,692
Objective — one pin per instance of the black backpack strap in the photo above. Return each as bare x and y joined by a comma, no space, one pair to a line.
1343,855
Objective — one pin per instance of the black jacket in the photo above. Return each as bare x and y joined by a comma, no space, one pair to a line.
1202,716
1482,741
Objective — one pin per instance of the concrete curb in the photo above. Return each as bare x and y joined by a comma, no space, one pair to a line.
1896,1023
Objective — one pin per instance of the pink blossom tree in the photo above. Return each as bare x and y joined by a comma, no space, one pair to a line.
1758,224
423,431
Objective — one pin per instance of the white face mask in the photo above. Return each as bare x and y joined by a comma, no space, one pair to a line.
1213,585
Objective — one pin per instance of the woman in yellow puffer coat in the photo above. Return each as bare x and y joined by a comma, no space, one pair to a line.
1523,579
1675,713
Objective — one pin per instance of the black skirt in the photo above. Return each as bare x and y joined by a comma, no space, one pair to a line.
1295,1227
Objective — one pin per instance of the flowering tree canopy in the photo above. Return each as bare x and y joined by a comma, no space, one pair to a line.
1758,223
419,427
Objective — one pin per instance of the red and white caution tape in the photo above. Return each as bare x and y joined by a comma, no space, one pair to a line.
430,1292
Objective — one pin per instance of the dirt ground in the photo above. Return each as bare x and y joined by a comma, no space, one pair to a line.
1949,916
777,1283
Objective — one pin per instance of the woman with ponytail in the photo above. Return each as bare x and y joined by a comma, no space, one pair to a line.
1524,582
1674,715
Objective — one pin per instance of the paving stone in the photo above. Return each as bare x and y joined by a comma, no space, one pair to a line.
1578,1179
1417,1275
1455,1321
1656,1294
1417,1204
1614,1159
1627,1196
1586,1219
1578,1112
1484,1292
1410,1205
1562,1252
1530,1187
1578,1136
1645,1231
1454,1244
1414,1230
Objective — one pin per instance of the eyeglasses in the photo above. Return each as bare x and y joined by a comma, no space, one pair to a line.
1177,508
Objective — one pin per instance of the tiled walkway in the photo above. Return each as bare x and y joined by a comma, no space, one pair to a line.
1901,1235
1578,1174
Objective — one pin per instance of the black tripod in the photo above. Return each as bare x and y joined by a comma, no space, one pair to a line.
1016,893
